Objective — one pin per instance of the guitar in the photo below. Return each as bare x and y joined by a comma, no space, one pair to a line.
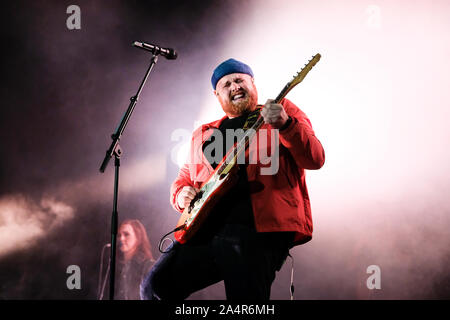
225,175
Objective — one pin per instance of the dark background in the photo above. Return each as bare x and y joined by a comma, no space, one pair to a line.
64,91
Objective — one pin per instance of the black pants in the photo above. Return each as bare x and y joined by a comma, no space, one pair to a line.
244,259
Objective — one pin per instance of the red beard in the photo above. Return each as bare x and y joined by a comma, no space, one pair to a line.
242,106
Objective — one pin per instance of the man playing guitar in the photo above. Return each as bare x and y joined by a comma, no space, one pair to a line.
249,231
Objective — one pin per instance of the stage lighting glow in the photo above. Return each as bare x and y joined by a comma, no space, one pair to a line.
24,221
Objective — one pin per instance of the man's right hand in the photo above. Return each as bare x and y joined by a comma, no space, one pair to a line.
186,195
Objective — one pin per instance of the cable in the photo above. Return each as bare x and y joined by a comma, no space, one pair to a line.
164,237
101,268
291,287
104,283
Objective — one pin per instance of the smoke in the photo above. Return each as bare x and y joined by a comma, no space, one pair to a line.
24,221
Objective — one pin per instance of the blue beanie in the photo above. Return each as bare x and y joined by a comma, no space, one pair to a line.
228,67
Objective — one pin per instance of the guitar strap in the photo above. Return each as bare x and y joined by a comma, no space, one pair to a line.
252,117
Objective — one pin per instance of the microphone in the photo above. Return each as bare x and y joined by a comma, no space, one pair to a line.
166,52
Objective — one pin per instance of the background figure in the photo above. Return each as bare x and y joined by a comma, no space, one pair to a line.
135,259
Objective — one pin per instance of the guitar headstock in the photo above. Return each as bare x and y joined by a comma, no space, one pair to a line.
298,77
301,75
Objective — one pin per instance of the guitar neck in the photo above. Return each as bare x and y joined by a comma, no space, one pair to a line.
283,93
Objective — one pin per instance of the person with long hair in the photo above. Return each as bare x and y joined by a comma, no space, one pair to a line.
135,259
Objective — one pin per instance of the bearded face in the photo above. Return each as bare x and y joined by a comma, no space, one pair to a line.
237,94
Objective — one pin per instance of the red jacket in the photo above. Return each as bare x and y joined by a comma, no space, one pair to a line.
280,201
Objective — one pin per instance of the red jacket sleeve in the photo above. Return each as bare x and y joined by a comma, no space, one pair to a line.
183,179
300,139
185,175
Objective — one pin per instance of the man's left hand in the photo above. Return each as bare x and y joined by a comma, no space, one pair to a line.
274,114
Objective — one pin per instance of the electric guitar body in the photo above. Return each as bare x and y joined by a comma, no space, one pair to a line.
225,176
211,191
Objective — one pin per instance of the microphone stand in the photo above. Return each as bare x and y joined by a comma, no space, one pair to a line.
116,150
